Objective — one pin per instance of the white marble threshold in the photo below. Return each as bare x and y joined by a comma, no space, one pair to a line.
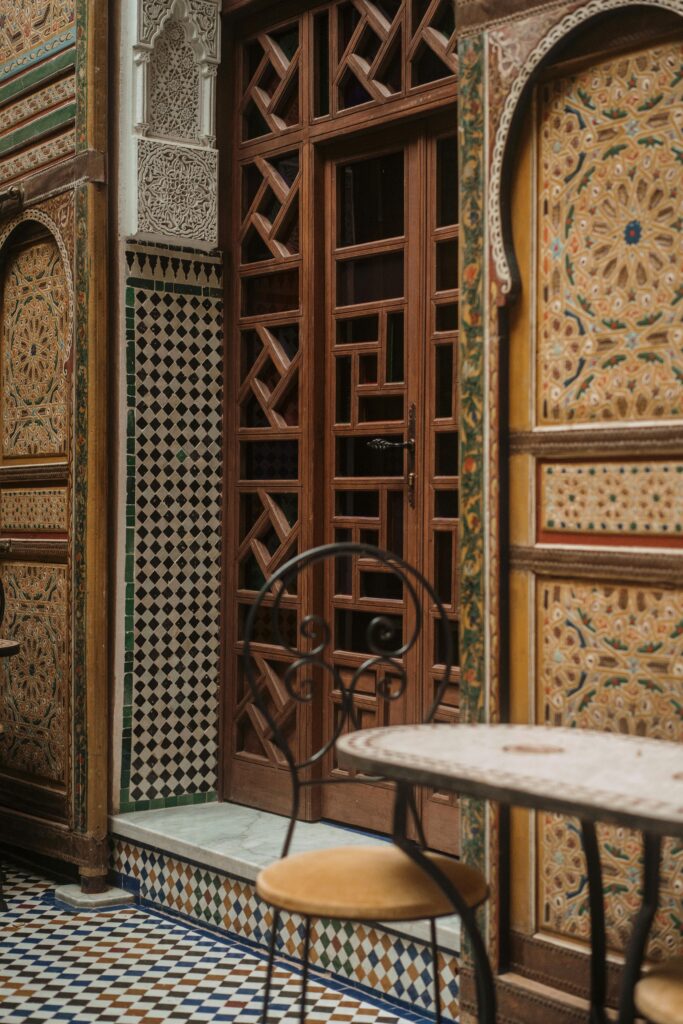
239,841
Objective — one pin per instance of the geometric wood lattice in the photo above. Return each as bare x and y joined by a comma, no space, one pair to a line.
433,50
270,226
364,52
271,82
290,80
268,394
370,41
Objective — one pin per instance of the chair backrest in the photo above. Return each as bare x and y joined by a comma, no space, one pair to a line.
311,654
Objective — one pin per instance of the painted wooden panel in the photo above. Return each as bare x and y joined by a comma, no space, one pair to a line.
37,85
34,509
610,242
34,697
637,499
609,658
26,25
35,343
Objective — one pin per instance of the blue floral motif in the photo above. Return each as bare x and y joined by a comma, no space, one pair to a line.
632,232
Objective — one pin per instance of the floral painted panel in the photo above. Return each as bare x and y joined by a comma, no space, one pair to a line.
35,341
34,509
34,700
629,499
31,22
610,246
610,657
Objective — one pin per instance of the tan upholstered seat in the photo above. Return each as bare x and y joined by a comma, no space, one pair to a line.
659,993
366,883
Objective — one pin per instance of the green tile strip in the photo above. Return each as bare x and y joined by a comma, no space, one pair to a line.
129,616
181,800
472,404
38,75
38,128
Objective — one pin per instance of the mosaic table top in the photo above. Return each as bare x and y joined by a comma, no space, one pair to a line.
628,780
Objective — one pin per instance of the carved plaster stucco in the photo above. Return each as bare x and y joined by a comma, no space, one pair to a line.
175,58
180,75
501,256
174,87
177,191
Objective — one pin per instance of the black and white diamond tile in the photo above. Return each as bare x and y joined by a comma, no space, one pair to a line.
174,306
127,966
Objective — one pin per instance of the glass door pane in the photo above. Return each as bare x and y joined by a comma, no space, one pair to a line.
371,379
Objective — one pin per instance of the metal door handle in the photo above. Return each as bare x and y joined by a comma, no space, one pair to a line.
381,444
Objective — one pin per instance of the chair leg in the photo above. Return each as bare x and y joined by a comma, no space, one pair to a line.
269,968
304,980
435,970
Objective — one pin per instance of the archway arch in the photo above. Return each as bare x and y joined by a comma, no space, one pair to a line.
502,248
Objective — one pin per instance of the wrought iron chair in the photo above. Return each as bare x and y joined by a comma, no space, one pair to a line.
398,881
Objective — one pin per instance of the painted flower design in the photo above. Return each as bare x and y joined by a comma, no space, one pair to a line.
556,248
632,232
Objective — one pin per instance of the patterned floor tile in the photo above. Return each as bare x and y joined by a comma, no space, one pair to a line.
129,966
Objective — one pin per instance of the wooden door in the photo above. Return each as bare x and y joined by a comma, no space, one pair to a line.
339,329
391,270
596,465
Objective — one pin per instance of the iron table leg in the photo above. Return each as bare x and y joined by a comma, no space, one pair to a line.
652,846
597,913
483,975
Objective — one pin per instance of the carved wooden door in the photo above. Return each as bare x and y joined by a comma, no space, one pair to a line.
344,309
391,445
385,369
596,468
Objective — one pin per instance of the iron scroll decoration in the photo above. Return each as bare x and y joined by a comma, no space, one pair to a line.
313,659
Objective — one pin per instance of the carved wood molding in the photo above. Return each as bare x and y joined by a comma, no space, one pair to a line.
34,550
52,473
630,566
33,833
558,966
523,1001
601,441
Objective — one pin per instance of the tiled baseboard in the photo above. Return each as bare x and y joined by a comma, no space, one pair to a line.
386,965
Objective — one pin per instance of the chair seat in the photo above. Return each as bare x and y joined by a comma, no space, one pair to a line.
366,883
659,993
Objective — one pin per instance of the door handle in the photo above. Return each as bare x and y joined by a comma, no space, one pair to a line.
381,444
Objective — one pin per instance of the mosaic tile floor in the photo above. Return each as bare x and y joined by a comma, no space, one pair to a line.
130,966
